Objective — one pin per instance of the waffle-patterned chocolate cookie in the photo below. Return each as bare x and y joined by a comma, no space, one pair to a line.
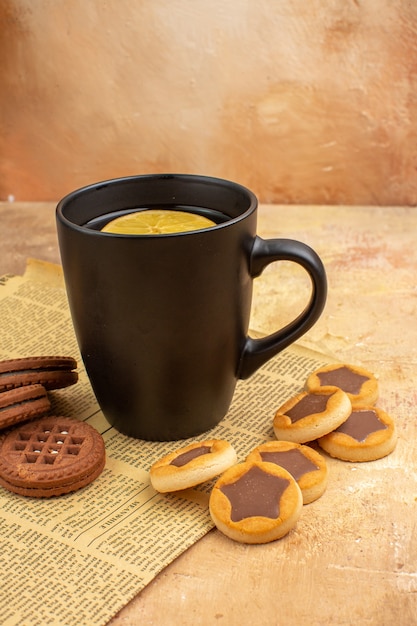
50,456
53,372
23,403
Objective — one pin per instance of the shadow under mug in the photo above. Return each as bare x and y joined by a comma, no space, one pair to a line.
162,320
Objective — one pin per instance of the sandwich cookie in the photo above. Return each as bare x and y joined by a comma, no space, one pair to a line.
255,502
368,434
53,372
192,465
360,385
22,404
50,456
307,416
307,466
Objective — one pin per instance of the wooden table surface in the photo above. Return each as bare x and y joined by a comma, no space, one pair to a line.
353,559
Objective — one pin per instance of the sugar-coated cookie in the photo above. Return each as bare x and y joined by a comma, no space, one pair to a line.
368,434
360,385
307,466
53,372
50,456
307,416
192,465
255,502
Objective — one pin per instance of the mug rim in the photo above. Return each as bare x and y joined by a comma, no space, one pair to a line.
66,201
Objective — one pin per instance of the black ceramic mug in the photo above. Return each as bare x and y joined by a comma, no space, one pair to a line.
162,320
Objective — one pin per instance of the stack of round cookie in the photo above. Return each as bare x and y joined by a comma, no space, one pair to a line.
43,455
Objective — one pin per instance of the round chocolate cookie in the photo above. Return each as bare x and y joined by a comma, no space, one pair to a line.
368,434
53,372
192,465
50,456
22,404
307,466
360,385
307,416
255,502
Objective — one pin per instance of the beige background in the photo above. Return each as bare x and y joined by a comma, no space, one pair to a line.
303,101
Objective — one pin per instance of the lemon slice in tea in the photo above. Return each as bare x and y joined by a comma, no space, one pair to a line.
157,222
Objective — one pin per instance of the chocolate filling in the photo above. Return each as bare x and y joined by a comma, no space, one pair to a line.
308,405
186,457
344,378
255,493
360,424
292,460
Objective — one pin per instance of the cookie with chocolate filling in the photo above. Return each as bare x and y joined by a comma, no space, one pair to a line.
22,404
307,416
53,372
368,434
360,385
255,502
50,456
192,465
307,466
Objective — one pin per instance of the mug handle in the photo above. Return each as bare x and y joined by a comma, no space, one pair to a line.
264,251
